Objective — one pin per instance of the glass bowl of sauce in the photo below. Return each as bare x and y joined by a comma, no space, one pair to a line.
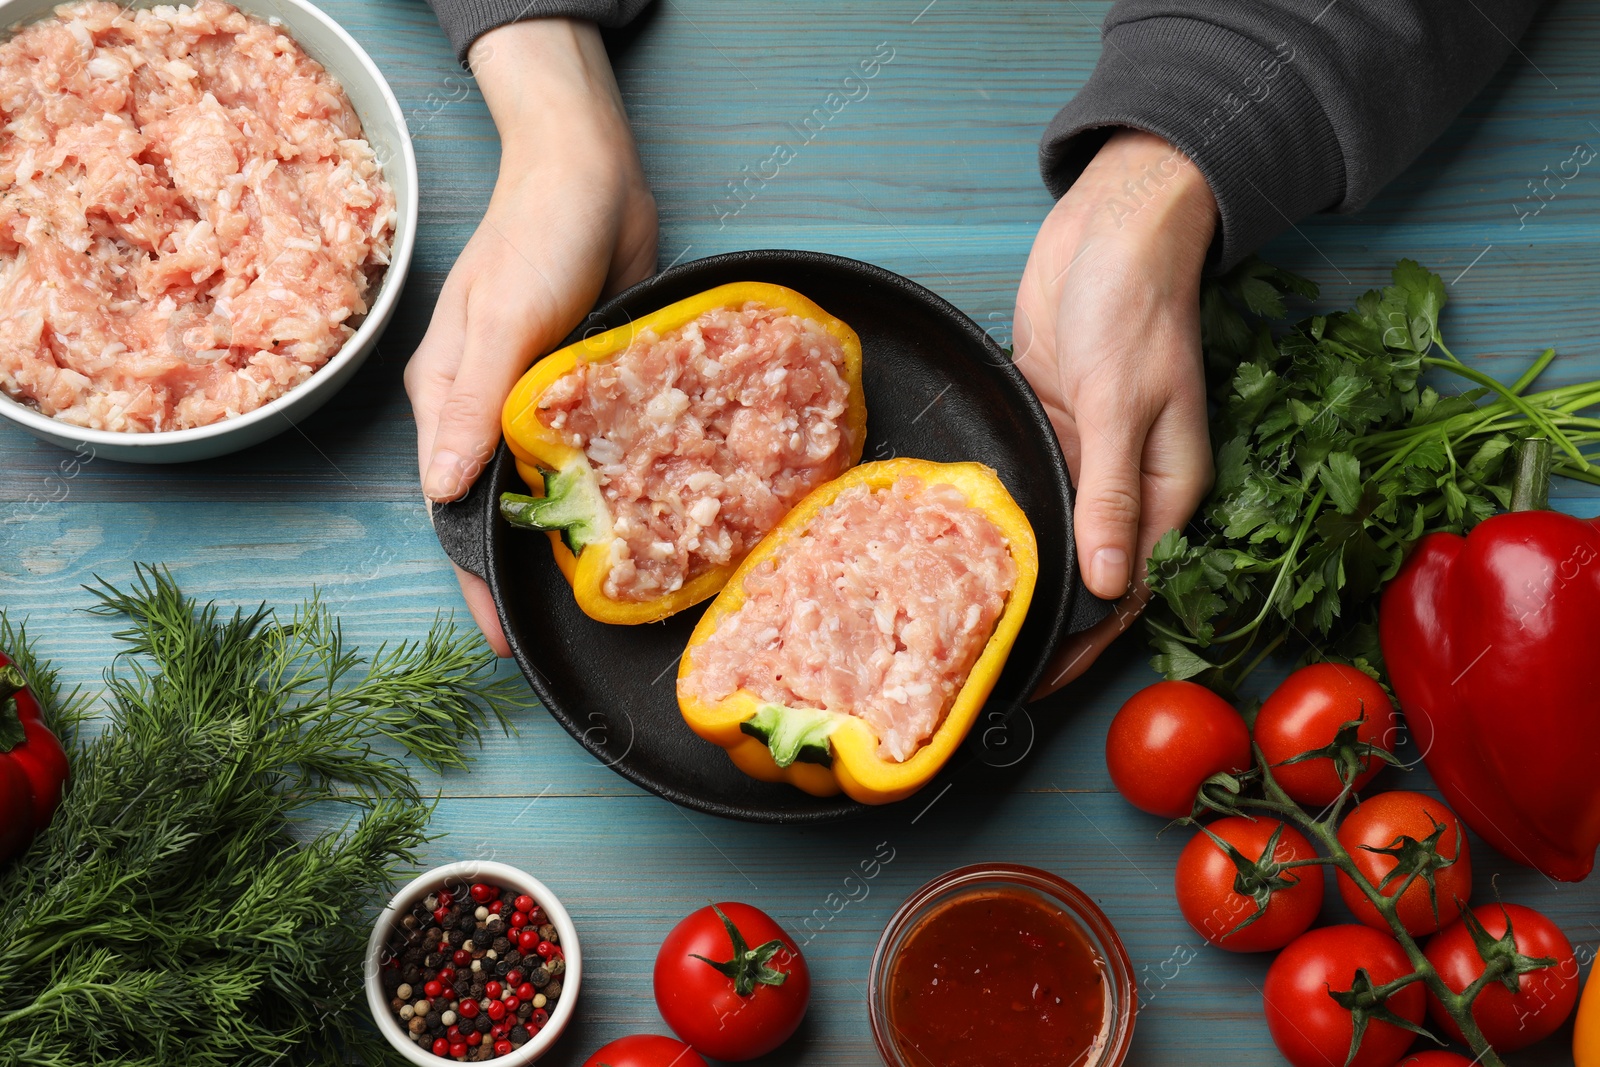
1000,965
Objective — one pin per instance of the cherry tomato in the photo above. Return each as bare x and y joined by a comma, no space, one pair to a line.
645,1050
1436,1058
1167,740
1308,1025
1206,879
1546,997
1306,712
1380,822
724,1017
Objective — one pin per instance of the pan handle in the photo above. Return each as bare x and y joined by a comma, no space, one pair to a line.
461,526
1087,609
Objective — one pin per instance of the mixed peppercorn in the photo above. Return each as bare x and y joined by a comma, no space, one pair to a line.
473,971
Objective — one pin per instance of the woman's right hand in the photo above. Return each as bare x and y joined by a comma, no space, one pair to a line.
571,220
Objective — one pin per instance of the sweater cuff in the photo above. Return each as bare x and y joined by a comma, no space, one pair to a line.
464,21
1234,106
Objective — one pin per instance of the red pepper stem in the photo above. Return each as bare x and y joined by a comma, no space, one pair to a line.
1530,486
12,682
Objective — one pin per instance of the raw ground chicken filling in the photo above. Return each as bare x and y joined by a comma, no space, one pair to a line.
879,609
702,439
189,218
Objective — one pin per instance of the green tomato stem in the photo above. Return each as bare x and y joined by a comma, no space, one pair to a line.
1323,832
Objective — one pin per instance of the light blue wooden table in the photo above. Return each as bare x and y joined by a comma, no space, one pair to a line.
931,174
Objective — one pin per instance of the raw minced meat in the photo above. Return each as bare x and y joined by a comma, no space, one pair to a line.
190,220
878,608
702,439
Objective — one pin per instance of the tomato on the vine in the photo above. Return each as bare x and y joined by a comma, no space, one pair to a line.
1307,713
1216,896
1544,997
1309,1026
1167,740
1380,823
731,982
645,1050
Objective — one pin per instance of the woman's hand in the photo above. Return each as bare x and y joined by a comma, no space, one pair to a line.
1107,331
571,219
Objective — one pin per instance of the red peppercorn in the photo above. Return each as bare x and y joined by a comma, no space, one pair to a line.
545,949
454,1032
432,990
518,920
524,902
461,958
512,1004
445,898
539,1017
514,977
446,976
533,1031
525,990
492,990
502,1048
439,913
526,940
441,1047
536,916
496,907
474,1039
496,1010
468,1009
482,893
459,1050
499,1031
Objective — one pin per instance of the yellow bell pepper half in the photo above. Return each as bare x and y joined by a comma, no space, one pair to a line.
567,499
823,752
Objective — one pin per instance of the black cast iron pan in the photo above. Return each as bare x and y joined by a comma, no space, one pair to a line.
937,388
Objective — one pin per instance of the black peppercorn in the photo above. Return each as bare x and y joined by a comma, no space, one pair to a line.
553,990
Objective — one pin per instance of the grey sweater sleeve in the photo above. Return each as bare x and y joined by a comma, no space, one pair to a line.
1288,107
464,21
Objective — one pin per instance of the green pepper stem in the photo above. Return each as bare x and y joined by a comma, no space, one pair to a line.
1530,486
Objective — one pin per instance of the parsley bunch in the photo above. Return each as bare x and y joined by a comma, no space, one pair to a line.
1332,459
171,913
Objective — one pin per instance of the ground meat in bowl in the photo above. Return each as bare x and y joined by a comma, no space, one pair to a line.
704,437
190,220
878,608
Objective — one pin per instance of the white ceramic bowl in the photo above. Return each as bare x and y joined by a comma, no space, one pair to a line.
385,127
469,871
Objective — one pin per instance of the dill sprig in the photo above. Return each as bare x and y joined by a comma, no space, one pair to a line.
170,913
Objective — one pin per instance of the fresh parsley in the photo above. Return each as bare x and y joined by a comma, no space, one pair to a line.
1332,459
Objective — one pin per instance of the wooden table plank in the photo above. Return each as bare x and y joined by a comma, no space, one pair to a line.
931,173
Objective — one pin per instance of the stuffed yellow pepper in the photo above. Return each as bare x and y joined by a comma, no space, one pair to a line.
659,453
854,648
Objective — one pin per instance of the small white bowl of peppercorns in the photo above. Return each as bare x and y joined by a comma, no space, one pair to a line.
473,962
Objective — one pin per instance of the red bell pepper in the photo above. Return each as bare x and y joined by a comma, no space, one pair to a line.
1490,644
33,765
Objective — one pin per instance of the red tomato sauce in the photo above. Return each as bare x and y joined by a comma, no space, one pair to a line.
998,978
